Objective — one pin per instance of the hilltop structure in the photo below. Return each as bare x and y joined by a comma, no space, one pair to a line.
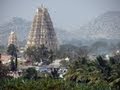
42,31
12,39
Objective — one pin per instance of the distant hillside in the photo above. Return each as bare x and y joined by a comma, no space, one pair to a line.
106,27
22,28
19,25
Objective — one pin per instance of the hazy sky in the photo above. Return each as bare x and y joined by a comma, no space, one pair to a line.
67,14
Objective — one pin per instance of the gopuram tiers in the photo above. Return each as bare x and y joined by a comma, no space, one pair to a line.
42,31
12,39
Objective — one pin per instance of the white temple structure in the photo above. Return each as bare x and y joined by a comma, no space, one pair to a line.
12,39
42,31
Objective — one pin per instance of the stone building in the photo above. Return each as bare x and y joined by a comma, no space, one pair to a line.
12,39
42,31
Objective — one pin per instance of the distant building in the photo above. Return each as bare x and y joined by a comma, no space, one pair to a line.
12,39
42,31
5,58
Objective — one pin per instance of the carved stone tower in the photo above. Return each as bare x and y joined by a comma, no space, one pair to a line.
12,39
42,31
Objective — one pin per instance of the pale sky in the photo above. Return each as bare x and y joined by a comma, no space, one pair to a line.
67,14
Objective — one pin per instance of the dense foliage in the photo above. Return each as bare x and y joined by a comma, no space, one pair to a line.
12,50
94,72
82,74
38,54
3,71
2,49
47,84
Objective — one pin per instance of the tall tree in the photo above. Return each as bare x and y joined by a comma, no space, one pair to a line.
38,54
12,50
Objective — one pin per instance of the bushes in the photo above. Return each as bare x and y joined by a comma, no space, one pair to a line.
88,75
30,73
3,71
47,84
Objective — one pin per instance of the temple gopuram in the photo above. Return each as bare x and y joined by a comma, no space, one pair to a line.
42,31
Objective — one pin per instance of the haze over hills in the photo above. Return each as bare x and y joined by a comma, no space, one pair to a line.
105,28
22,28
16,24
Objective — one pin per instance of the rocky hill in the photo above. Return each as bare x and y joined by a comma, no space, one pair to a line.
18,25
106,27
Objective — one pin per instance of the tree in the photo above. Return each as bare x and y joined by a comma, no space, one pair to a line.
54,73
51,56
12,50
39,54
104,67
2,48
30,73
83,51
3,71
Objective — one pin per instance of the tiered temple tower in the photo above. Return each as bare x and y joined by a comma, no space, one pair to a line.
42,31
12,39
